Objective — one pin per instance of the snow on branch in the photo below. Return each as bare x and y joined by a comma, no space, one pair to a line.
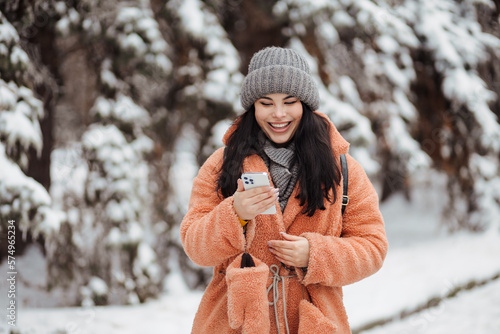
459,46
13,60
138,35
19,126
21,195
223,78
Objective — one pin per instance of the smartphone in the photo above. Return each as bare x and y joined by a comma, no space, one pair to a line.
254,180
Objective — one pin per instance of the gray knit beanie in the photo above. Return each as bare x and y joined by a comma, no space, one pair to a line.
277,70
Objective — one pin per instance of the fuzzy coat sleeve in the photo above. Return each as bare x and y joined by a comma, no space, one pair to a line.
360,250
211,231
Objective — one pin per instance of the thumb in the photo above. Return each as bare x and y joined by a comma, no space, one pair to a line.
289,237
240,186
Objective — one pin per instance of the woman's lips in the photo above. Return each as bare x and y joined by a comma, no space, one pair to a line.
280,127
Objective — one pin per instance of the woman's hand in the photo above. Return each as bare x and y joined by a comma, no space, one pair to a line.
293,251
250,203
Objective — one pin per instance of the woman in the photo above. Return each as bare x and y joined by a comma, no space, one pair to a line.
302,255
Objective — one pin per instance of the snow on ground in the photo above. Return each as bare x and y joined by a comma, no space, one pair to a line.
412,276
422,263
476,311
169,315
172,313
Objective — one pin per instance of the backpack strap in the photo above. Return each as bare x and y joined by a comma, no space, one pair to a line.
345,176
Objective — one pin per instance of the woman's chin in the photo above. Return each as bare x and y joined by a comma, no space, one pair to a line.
280,140
280,137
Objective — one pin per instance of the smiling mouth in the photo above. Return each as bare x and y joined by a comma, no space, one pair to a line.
280,125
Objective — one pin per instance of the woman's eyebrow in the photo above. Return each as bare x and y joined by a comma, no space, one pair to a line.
268,98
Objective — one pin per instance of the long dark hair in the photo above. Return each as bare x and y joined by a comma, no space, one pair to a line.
319,172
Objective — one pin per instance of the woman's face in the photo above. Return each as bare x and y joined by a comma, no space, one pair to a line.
279,116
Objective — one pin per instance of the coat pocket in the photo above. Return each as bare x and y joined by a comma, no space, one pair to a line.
312,320
247,303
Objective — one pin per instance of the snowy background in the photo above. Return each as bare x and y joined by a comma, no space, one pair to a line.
108,108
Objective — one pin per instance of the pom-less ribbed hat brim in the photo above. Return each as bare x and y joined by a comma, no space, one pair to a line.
279,79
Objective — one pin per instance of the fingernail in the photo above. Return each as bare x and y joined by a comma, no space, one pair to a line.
269,243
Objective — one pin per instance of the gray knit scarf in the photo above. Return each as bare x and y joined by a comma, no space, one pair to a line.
279,162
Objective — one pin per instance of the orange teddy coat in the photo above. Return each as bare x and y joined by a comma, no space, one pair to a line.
343,250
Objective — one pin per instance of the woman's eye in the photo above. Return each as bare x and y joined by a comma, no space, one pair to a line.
290,102
265,104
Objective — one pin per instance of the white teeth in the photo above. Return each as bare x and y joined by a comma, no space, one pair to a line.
279,125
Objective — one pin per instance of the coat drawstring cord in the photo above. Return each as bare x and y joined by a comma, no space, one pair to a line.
276,294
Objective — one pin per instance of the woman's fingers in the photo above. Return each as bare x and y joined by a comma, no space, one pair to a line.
261,193
250,203
260,199
263,204
294,251
290,237
267,199
241,187
286,259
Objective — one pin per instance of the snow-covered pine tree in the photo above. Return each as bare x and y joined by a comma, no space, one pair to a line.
23,200
460,40
113,212
112,56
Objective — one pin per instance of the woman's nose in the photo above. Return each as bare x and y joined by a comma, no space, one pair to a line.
279,111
